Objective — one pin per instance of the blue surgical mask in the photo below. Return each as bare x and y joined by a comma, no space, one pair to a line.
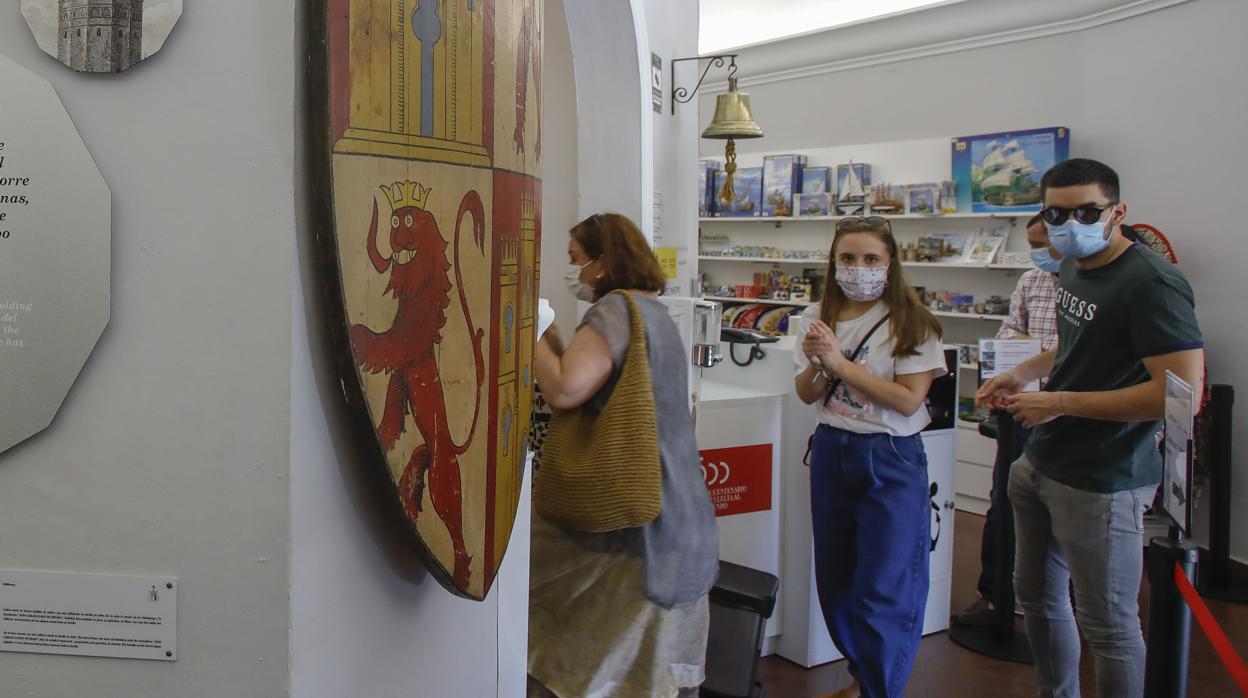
1044,261
1077,240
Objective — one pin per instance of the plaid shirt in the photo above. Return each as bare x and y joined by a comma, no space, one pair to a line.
1033,309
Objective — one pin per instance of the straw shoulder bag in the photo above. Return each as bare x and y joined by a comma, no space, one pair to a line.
602,473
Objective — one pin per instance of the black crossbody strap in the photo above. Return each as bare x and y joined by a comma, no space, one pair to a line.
836,382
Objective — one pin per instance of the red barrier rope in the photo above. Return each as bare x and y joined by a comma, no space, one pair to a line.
1221,644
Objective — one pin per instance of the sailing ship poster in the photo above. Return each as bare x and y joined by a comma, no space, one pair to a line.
1000,172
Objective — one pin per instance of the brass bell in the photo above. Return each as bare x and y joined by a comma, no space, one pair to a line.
732,116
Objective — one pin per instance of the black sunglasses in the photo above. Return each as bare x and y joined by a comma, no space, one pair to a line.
1086,214
864,223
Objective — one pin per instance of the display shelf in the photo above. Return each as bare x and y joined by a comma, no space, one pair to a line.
901,217
761,260
803,304
765,301
964,265
969,316
910,265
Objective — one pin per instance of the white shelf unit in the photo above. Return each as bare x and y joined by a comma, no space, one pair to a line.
894,217
760,260
804,304
824,261
766,301
968,316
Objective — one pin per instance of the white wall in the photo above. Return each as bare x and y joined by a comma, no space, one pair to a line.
612,136
672,27
366,618
559,161
1154,95
623,153
170,454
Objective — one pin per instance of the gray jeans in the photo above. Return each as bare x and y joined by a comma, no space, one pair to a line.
1096,541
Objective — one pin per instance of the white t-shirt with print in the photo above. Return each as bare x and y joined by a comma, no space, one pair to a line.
852,411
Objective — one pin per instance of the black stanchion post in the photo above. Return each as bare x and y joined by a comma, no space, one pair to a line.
1169,618
1001,640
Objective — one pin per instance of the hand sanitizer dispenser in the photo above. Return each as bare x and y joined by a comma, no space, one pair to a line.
708,317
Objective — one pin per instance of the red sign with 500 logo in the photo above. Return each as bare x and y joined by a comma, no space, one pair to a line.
738,478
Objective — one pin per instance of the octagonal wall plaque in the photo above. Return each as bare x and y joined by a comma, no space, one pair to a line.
55,244
101,36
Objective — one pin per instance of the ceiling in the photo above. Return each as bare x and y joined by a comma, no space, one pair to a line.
728,24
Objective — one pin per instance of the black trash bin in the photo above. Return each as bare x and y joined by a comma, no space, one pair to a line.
741,602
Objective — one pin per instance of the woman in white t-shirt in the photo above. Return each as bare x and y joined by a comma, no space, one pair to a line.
869,354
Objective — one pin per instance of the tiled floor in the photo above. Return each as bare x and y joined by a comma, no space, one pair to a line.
944,670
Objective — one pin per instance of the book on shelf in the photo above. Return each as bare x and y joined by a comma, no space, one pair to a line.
988,242
816,204
816,180
923,199
953,245
782,178
747,191
707,194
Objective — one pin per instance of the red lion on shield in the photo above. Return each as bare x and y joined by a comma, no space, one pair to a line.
419,280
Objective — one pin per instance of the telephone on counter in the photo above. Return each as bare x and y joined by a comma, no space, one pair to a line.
733,335
754,338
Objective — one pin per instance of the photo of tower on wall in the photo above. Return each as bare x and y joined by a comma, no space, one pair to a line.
97,36
101,36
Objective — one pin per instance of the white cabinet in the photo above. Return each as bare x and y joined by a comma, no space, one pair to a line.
941,448
746,489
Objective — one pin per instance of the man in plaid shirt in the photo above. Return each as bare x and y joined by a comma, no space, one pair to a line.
1033,315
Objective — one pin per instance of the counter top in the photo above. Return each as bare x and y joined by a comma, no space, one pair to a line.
715,391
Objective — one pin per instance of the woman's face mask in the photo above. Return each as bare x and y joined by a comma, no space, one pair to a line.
862,283
580,289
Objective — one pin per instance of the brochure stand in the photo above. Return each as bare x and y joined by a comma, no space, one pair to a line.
1215,578
1169,618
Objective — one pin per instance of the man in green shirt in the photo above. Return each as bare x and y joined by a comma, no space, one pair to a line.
1091,467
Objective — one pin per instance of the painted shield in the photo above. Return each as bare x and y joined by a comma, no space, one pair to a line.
426,117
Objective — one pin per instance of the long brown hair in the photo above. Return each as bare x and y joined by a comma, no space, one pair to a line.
911,323
627,260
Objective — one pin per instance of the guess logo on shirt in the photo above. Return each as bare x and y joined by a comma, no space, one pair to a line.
1073,309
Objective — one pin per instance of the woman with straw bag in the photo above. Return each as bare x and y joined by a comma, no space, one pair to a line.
624,540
